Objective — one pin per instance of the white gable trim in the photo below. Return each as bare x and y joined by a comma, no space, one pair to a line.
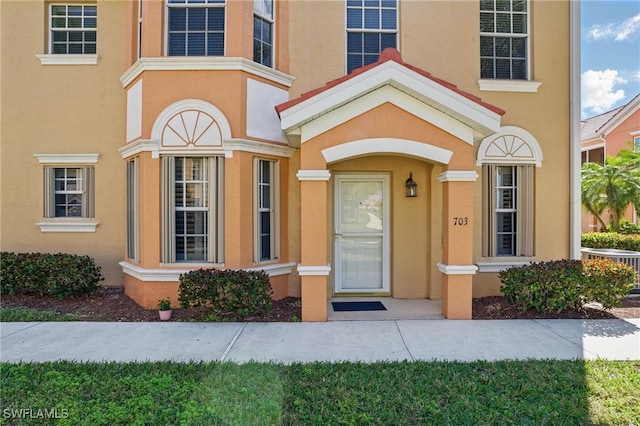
390,73
378,97
387,146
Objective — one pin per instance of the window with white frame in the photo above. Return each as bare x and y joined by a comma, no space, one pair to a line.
139,38
73,28
636,144
372,26
133,221
266,199
508,159
503,39
69,192
192,220
263,32
508,218
195,27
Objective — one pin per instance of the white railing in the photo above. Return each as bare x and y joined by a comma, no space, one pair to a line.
631,258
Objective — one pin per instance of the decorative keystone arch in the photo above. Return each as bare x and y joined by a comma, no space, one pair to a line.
191,124
512,145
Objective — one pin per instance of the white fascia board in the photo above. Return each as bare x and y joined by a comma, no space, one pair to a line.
378,97
329,100
247,145
211,63
449,101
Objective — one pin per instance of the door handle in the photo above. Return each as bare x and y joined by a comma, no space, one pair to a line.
336,234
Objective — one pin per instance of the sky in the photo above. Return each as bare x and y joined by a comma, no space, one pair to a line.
610,49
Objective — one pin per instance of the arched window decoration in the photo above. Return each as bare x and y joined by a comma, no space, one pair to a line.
510,145
191,124
191,128
508,159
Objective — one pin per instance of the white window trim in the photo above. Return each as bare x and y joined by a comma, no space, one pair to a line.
67,224
525,196
502,264
510,88
187,6
67,159
72,59
215,218
376,31
133,208
520,86
76,59
275,211
272,20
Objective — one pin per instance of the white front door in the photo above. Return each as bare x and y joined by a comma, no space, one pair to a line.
361,233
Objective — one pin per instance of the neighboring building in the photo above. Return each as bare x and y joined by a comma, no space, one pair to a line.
160,136
606,135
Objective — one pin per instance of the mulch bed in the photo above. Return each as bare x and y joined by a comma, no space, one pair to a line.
111,304
496,307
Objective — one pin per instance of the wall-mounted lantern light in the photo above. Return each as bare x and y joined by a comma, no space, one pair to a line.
412,187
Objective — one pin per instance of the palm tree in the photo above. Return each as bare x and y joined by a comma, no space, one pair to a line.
612,187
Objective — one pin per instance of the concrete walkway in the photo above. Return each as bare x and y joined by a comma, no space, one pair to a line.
366,341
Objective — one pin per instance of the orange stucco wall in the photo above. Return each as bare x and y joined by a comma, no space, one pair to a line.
82,109
61,109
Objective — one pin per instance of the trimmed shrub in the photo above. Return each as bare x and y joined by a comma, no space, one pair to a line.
230,294
562,285
45,274
607,282
611,240
627,228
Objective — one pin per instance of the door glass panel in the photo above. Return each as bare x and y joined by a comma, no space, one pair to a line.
361,263
361,209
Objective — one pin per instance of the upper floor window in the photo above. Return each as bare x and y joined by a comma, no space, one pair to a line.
263,32
372,26
73,28
195,27
503,39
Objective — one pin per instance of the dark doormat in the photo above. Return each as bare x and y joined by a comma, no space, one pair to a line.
357,306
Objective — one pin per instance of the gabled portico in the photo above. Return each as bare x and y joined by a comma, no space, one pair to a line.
390,119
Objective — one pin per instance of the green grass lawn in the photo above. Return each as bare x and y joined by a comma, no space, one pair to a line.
394,393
